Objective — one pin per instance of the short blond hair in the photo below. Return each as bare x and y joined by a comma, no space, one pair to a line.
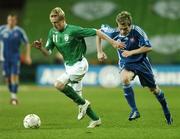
124,18
57,12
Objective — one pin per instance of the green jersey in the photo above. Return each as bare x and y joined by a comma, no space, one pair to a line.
69,42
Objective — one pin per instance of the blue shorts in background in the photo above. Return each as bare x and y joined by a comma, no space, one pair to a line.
11,68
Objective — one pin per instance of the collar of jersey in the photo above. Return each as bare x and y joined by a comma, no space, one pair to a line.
65,26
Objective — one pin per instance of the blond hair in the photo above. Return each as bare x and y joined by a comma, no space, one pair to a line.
124,18
58,13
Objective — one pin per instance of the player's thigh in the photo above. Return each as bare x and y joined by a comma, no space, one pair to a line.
126,76
61,81
6,69
79,68
76,82
15,71
15,67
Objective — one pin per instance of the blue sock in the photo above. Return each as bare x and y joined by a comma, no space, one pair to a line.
160,97
14,88
129,95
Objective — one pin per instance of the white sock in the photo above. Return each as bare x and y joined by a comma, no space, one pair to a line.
13,96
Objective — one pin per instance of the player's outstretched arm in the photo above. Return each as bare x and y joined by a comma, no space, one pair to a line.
114,43
38,44
100,54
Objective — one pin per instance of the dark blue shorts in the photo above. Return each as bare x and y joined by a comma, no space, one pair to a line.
144,71
11,68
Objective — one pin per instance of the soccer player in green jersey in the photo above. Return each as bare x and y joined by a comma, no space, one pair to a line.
69,41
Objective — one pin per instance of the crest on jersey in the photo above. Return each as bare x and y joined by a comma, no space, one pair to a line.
66,37
15,34
132,39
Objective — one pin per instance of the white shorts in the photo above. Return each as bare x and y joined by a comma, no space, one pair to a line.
74,74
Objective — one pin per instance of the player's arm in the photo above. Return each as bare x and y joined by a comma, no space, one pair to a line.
28,54
25,40
38,44
100,54
114,43
87,32
140,50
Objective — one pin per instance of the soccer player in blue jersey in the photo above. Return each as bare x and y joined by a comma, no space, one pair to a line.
133,61
11,37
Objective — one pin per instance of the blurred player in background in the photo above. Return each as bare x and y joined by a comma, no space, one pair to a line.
11,37
133,61
1,60
69,41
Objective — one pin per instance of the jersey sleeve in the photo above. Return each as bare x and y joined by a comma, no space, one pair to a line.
142,37
111,32
24,37
84,32
49,44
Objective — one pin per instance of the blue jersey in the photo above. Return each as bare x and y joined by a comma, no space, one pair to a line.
11,40
135,39
139,63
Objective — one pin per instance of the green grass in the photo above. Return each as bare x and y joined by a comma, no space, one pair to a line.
58,115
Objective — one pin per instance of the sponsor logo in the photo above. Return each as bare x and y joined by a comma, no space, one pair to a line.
108,76
92,10
168,8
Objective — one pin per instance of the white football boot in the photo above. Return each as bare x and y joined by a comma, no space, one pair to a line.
94,124
82,110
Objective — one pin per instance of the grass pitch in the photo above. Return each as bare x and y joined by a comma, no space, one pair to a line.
59,115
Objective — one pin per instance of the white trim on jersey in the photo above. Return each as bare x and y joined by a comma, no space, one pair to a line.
1,51
23,33
140,31
3,29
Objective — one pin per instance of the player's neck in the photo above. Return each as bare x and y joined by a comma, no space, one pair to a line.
11,26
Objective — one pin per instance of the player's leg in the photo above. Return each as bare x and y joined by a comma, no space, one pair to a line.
6,74
14,88
162,100
62,85
14,79
1,72
7,68
76,83
126,77
77,86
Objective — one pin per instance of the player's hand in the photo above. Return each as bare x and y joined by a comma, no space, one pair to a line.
37,44
101,56
119,45
126,53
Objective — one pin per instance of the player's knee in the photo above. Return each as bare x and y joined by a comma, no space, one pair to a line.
155,90
59,85
125,80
